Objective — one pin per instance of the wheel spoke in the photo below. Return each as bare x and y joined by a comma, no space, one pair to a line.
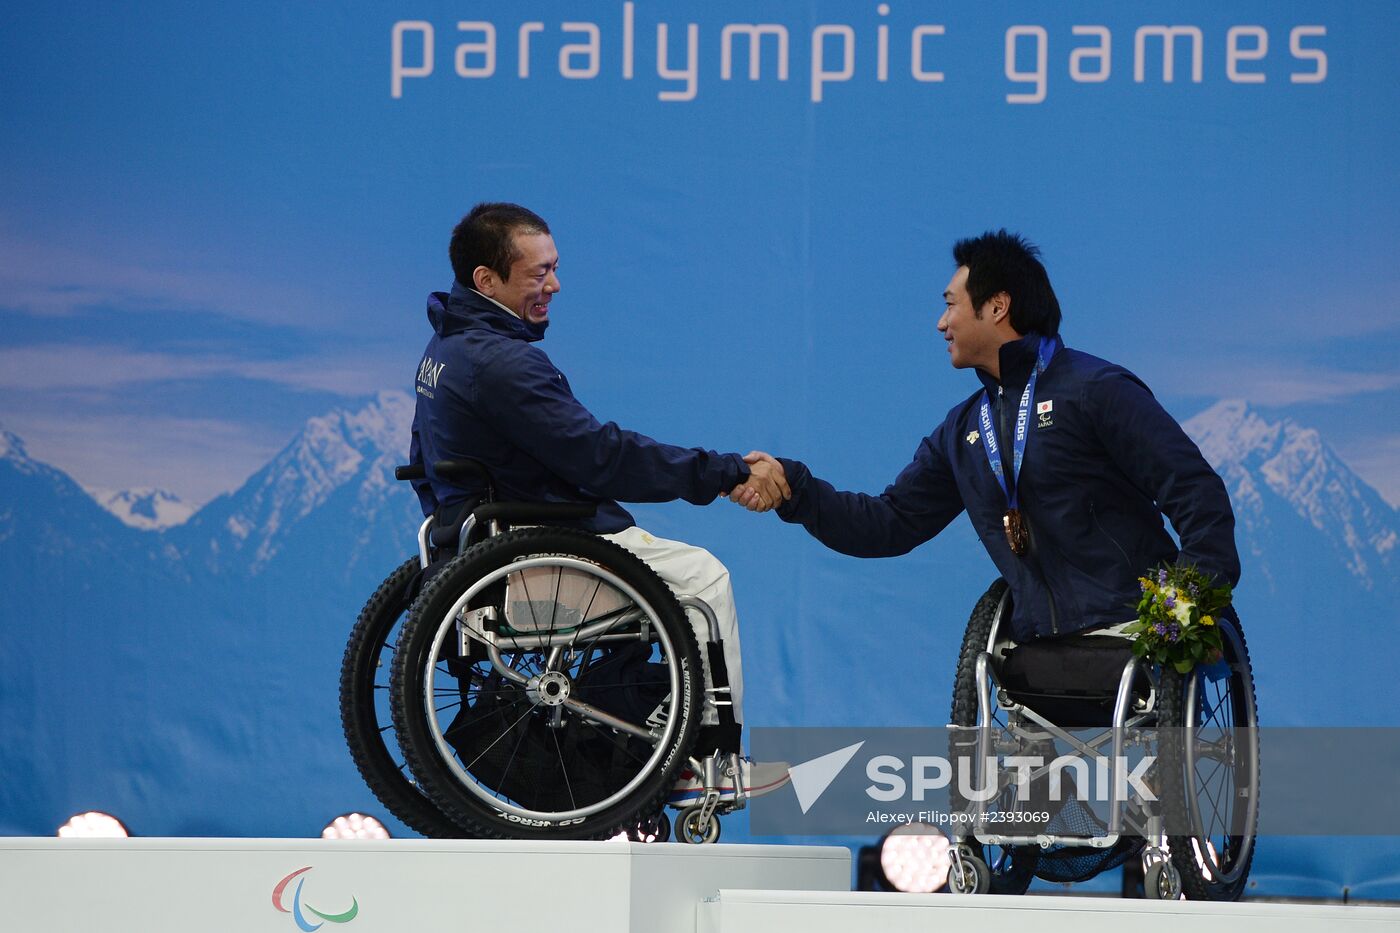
511,760
563,769
503,734
554,604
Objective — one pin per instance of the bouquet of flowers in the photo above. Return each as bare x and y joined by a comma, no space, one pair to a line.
1176,618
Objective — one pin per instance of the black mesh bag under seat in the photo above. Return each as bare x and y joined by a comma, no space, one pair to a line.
1070,681
524,759
1080,863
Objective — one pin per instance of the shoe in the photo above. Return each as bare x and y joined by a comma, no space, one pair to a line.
758,778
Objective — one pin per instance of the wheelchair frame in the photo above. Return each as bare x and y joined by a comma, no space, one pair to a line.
969,874
698,821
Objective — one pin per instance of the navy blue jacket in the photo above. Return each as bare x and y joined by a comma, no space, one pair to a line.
1101,467
485,390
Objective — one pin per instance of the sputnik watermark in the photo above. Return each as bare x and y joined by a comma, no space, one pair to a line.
852,780
935,773
847,780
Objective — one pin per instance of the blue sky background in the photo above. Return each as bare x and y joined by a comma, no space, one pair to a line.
215,222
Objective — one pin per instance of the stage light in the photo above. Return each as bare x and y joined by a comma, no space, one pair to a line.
355,826
93,825
914,858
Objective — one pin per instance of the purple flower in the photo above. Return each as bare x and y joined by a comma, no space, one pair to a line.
1159,628
1173,633
1193,590
1162,577
1171,602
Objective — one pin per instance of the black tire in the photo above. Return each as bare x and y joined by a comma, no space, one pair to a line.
364,707
508,760
1161,882
1211,810
974,878
1010,868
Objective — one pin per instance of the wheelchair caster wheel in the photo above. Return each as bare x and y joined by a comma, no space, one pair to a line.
688,828
973,877
655,828
1162,882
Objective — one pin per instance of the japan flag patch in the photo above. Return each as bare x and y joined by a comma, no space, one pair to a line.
1045,407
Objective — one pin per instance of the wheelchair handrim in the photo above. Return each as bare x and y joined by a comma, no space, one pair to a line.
1240,692
447,754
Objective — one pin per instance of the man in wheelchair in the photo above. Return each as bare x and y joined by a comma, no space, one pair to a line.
487,393
1065,465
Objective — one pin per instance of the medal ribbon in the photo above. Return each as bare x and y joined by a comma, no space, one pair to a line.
1048,346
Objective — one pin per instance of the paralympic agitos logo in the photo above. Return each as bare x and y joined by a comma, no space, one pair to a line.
300,909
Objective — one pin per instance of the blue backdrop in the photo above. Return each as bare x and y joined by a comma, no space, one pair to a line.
219,223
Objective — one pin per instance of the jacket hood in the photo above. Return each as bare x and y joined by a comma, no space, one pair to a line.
467,309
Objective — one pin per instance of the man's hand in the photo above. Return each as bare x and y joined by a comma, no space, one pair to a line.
766,487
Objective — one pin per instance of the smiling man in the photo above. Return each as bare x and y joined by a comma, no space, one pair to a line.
485,390
1064,462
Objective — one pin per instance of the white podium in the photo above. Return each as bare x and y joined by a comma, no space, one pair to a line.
394,886
468,886
825,912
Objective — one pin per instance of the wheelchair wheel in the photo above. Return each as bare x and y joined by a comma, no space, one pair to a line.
1209,755
1009,868
547,685
364,706
688,828
1161,882
974,877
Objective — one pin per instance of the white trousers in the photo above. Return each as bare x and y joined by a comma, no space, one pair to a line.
694,571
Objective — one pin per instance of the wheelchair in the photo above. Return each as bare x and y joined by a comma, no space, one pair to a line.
539,682
1193,832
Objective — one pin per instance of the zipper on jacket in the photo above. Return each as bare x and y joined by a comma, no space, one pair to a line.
1049,593
1005,442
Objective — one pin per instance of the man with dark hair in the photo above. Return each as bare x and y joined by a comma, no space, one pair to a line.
1064,462
1005,262
486,390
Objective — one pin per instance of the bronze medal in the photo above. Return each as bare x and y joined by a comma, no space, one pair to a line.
1017,535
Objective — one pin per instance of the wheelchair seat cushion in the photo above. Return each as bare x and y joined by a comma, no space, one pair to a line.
1071,681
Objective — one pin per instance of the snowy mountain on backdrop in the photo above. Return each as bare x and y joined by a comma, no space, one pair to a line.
46,518
1297,505
145,508
327,501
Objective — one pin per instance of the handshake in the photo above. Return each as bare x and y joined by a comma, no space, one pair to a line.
767,486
